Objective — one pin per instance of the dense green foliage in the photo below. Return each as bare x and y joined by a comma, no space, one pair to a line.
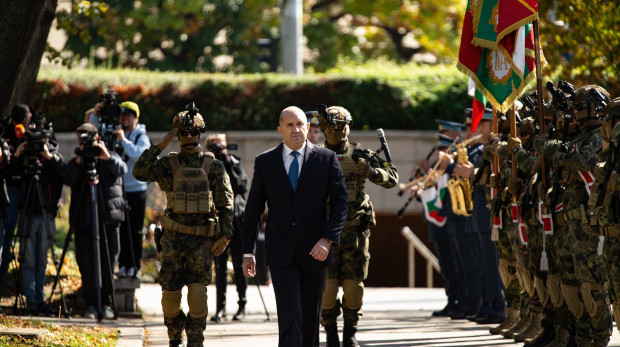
378,95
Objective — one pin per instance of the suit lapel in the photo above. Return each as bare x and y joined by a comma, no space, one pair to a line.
308,157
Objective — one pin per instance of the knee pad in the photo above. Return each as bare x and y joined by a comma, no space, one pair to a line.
541,290
571,296
504,272
353,293
330,295
525,279
171,302
589,301
197,300
555,291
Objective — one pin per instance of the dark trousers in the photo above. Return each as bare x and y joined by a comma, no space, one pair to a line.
84,255
447,265
299,294
492,287
137,204
469,285
221,272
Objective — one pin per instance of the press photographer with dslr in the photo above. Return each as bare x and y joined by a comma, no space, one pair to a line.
41,166
216,144
94,164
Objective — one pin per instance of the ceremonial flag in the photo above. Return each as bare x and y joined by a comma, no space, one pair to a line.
478,105
495,19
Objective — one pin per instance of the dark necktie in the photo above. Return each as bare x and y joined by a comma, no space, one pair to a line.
293,171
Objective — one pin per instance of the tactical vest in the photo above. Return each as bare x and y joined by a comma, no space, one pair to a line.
191,192
347,165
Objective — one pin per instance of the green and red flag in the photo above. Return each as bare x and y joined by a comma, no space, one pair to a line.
495,19
478,105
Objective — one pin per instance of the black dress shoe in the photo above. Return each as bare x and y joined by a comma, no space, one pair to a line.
459,315
474,317
240,315
441,313
491,319
219,315
176,343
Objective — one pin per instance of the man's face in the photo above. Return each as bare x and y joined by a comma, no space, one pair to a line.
314,134
189,139
129,121
484,129
293,128
216,141
336,135
453,134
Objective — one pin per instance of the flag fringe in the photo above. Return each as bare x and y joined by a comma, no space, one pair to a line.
527,20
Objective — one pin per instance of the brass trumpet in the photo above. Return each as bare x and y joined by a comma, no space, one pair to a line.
460,188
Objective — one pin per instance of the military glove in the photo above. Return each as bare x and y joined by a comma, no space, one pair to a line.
515,186
513,142
167,139
539,142
493,181
363,169
616,135
219,246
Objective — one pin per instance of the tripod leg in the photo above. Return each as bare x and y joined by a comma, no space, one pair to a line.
95,235
129,232
261,299
23,231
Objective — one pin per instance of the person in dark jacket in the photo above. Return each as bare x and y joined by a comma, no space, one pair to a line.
216,143
110,169
41,167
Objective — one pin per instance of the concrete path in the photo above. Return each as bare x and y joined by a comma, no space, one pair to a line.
392,317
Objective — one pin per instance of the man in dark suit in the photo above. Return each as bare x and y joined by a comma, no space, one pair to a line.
296,179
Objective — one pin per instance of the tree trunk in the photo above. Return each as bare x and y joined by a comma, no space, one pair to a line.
37,47
18,23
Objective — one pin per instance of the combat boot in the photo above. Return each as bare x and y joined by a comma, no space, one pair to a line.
544,338
348,336
512,317
532,330
331,336
562,338
517,328
195,328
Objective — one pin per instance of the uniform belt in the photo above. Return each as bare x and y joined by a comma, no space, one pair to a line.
208,230
353,223
611,230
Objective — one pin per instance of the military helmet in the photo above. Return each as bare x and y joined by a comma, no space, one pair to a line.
590,94
614,109
190,118
334,116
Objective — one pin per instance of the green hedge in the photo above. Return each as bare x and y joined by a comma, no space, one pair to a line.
378,96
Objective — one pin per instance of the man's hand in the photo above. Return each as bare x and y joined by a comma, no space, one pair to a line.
539,142
21,148
167,139
463,170
515,186
45,153
321,249
219,246
513,142
363,169
105,154
444,160
249,267
120,134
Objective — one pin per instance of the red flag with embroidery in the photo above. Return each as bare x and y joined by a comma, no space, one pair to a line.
512,14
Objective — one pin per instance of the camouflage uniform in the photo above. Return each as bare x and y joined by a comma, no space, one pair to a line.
607,206
584,287
187,258
351,257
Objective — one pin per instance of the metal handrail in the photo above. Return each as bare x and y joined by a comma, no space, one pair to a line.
431,260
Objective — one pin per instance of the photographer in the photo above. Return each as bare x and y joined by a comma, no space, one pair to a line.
133,139
93,158
20,117
37,155
216,144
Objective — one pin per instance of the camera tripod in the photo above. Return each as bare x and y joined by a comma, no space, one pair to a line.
24,222
97,228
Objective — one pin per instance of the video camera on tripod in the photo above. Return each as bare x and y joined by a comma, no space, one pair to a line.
109,119
217,148
35,134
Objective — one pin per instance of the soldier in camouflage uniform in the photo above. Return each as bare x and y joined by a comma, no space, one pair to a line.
606,201
585,292
197,224
350,267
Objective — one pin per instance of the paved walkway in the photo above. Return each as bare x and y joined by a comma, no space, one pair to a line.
392,317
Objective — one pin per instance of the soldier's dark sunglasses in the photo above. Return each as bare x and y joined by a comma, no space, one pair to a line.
190,131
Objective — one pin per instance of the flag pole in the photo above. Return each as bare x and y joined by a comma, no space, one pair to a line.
541,117
513,133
